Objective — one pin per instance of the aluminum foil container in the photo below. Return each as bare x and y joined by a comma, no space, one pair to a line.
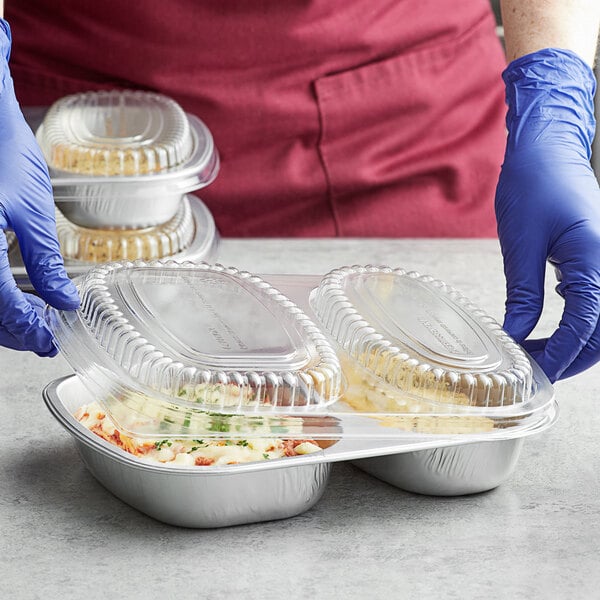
203,247
104,245
281,488
134,209
123,158
211,498
448,471
185,350
191,497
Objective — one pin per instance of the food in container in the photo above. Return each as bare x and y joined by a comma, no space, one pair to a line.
182,351
124,159
116,133
188,452
401,332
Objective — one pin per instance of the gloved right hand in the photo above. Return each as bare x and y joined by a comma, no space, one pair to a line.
548,207
27,208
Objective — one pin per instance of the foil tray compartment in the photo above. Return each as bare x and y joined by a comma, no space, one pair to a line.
194,497
207,499
448,471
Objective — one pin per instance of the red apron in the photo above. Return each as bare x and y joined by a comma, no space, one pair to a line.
332,117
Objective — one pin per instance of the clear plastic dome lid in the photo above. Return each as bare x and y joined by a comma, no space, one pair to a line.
195,334
116,133
421,336
193,350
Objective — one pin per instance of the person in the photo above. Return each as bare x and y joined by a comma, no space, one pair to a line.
354,119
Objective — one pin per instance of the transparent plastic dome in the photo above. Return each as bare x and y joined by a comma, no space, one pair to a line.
419,335
192,349
176,339
120,133
124,158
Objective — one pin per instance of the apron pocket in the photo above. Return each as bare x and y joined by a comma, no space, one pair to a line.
412,132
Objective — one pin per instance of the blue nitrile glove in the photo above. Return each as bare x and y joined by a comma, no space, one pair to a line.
26,207
548,207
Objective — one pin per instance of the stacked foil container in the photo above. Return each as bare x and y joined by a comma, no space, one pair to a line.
122,166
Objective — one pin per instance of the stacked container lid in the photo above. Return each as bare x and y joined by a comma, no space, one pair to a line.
122,164
188,350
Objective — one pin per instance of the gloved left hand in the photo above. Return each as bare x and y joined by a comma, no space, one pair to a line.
26,207
548,207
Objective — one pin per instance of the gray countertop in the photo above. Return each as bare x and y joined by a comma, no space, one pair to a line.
536,536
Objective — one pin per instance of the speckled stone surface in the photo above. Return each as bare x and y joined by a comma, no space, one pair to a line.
536,536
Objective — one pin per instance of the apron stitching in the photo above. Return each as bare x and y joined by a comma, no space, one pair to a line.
323,161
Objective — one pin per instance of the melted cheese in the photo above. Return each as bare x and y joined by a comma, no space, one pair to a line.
189,452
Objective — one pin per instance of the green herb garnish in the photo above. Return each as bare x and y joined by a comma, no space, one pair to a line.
219,426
